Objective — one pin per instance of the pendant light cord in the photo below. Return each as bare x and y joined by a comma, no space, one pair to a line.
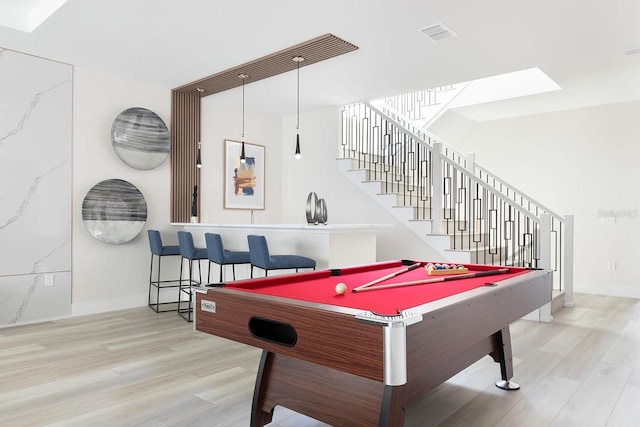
298,60
298,124
243,78
242,155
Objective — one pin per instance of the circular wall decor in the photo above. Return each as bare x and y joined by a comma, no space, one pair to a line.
140,138
114,211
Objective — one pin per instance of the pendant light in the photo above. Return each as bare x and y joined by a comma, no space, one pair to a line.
198,157
242,156
298,60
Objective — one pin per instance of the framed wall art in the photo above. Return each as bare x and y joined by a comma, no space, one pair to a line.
243,181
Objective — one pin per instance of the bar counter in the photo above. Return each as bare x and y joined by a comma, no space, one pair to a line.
331,245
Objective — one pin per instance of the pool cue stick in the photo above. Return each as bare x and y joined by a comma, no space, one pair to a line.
388,276
434,280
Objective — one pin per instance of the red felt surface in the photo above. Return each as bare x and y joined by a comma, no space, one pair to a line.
319,287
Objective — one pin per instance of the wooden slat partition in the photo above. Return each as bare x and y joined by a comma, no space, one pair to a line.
314,50
185,135
185,109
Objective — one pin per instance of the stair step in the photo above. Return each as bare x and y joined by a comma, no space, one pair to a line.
401,190
464,240
479,255
416,204
396,175
370,161
382,173
557,300
454,247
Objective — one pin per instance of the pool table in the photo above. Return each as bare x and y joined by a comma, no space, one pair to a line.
362,358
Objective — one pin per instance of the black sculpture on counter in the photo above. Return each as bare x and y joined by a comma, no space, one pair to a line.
194,203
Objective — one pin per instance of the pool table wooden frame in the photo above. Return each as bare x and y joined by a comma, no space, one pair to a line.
337,371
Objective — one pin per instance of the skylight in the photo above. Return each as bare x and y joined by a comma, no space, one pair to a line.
506,86
26,15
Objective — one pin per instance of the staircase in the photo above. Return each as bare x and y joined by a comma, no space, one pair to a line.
458,246
424,107
460,209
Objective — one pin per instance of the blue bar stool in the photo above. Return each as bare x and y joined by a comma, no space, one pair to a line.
260,257
219,255
190,252
159,250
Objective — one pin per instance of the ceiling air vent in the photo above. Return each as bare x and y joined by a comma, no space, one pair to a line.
632,50
438,32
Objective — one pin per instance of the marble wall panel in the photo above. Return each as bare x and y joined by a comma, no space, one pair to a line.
35,168
34,297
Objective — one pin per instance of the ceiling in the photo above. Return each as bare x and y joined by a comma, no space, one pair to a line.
580,44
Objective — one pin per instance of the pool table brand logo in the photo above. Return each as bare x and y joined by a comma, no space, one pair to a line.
209,306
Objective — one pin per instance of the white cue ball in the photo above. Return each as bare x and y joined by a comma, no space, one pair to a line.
341,288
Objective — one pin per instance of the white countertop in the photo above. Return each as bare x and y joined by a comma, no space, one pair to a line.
331,245
302,226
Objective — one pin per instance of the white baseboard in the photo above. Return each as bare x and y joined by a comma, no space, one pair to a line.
611,290
111,304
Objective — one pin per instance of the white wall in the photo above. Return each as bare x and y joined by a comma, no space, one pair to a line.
108,277
317,171
222,120
582,162
579,162
289,181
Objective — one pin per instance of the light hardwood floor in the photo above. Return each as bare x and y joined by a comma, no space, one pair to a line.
140,368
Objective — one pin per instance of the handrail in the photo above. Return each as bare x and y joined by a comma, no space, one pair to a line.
457,165
478,170
482,214
521,194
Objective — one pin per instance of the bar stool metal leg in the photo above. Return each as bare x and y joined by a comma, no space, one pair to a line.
160,250
190,252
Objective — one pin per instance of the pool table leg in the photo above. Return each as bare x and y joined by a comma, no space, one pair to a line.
259,417
503,355
332,396
392,409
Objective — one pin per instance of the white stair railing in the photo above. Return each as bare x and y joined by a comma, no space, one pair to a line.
460,198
